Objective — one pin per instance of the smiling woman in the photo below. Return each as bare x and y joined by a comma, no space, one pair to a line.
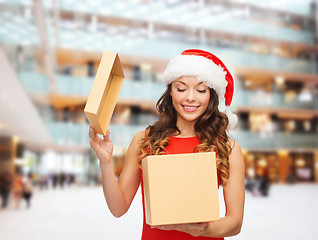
190,98
189,122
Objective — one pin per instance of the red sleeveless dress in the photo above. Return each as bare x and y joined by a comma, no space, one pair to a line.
177,146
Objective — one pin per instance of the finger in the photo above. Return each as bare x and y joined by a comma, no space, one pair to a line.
168,227
106,136
91,133
159,227
203,225
163,228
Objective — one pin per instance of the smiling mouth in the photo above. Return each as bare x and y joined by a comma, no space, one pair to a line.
190,108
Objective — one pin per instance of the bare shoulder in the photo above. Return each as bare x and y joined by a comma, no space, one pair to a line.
236,153
234,145
139,136
134,148
136,141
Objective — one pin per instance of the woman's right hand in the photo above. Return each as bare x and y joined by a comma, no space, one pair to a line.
102,147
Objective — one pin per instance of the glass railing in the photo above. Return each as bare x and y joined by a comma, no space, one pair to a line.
121,135
23,30
167,49
184,16
68,133
137,90
232,57
152,91
35,82
71,85
266,62
273,99
142,90
292,6
39,82
17,33
275,141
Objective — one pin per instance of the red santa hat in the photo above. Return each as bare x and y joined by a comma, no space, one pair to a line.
207,68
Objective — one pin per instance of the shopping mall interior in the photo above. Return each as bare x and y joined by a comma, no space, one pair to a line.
50,52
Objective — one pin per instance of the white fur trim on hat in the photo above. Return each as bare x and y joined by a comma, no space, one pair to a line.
202,68
233,119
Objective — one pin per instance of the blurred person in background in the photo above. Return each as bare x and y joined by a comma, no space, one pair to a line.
62,179
27,189
189,122
251,183
5,187
44,182
55,180
17,189
264,184
35,178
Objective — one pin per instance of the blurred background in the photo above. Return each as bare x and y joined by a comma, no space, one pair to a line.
49,55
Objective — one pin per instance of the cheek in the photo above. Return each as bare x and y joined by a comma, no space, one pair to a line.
176,103
176,98
205,100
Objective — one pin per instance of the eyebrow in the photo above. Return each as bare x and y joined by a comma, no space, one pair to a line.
186,84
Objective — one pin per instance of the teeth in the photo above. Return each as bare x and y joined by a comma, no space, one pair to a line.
190,108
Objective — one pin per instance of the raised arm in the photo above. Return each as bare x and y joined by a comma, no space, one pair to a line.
118,194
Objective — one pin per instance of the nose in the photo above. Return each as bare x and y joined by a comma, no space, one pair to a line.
191,96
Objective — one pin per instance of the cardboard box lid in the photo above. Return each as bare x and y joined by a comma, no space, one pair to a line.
105,91
109,65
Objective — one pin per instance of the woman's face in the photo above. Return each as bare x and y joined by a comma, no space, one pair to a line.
190,97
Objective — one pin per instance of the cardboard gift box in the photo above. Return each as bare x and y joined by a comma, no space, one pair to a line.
103,96
180,188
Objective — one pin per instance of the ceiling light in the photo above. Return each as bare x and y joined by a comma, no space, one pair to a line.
305,95
282,152
300,162
15,139
279,80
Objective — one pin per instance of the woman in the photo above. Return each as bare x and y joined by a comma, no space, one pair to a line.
189,121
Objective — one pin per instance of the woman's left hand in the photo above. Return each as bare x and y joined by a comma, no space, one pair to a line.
194,229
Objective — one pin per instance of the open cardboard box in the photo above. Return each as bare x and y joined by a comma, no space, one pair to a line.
180,188
102,98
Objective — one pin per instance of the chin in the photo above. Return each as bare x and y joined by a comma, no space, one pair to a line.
190,118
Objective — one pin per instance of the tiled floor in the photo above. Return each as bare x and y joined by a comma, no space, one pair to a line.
290,212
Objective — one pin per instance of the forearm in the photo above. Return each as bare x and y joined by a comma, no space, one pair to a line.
225,227
113,194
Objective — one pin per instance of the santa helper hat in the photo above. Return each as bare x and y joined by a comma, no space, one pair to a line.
207,68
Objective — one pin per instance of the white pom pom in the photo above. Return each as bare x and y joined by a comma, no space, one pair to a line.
233,119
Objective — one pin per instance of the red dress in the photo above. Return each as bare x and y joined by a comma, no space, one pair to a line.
177,146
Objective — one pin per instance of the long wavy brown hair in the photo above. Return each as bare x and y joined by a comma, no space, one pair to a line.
211,129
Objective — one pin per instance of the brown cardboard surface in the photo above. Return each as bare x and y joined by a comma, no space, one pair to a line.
103,96
180,188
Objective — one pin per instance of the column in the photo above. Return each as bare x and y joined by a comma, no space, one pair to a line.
284,165
316,165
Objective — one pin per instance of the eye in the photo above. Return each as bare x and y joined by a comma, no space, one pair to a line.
180,90
202,91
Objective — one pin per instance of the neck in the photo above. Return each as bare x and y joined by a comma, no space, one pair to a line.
186,128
